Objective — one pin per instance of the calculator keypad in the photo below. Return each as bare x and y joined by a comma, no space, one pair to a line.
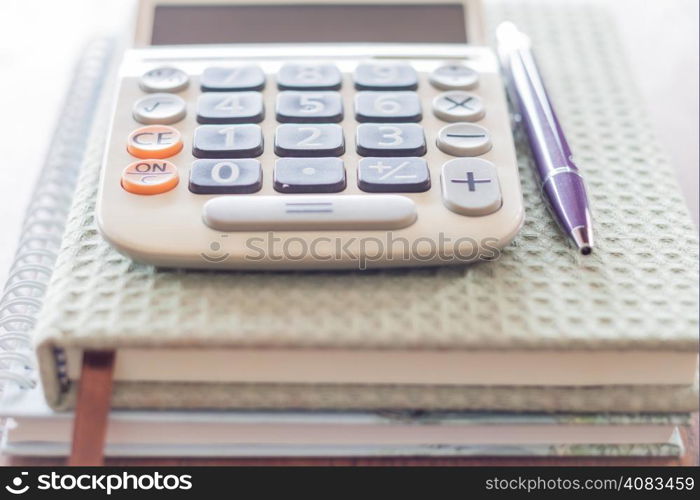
227,141
229,176
385,76
309,140
309,107
309,175
387,107
230,79
295,76
399,139
230,107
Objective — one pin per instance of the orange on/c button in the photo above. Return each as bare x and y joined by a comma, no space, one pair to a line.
150,177
154,141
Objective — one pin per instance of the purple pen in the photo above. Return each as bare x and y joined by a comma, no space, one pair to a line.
560,180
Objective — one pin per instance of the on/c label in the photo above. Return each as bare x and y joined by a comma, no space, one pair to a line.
150,177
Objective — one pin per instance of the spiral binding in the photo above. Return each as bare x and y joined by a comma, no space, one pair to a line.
45,221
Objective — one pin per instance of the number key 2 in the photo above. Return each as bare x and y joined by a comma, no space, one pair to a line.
309,140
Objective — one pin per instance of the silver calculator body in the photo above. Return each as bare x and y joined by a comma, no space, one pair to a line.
302,136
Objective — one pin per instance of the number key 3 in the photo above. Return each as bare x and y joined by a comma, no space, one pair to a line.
390,140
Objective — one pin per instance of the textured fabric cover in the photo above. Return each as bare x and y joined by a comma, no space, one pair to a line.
639,288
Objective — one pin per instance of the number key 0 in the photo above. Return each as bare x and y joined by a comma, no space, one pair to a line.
230,176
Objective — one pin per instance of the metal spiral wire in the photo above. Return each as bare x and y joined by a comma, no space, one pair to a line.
45,221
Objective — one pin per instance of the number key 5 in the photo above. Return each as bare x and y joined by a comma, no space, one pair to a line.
309,107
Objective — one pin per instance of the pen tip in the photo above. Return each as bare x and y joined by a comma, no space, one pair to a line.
583,238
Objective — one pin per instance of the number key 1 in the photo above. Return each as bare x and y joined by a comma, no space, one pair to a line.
227,141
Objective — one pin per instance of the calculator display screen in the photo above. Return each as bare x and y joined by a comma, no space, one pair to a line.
204,24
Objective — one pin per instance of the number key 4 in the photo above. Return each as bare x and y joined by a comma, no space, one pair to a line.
230,107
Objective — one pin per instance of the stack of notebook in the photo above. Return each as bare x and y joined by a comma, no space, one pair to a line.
541,352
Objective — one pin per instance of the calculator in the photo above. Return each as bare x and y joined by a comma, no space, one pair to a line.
309,135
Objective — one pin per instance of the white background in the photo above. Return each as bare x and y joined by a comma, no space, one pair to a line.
41,39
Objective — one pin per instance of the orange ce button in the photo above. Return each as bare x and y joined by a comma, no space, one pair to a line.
154,141
150,177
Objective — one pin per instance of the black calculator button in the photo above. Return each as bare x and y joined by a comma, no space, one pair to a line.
309,175
296,76
385,76
387,107
237,78
227,141
312,140
397,139
230,107
225,176
393,175
309,107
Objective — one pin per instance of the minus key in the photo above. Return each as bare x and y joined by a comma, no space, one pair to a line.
464,139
